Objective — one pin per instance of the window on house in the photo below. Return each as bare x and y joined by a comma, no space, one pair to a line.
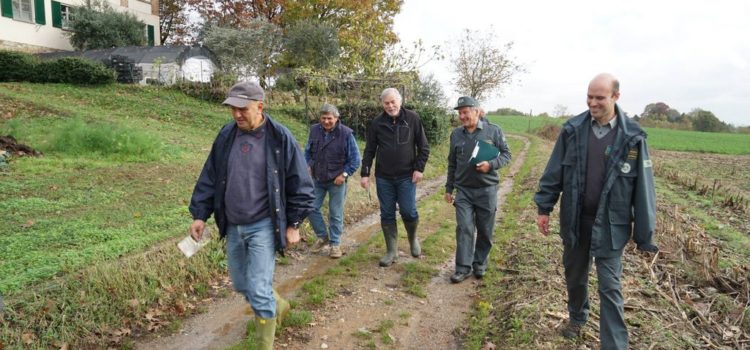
22,10
66,15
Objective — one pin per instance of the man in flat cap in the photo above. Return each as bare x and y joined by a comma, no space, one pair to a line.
332,156
255,183
475,183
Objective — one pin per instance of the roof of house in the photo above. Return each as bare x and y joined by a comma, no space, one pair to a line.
140,54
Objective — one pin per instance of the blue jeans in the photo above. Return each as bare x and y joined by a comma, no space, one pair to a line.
401,191
336,197
250,253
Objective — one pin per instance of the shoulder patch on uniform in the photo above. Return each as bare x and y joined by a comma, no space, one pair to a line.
647,163
625,168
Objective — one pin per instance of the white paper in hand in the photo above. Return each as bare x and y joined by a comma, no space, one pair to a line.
189,246
475,151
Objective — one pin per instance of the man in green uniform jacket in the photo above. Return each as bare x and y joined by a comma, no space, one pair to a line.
475,185
602,167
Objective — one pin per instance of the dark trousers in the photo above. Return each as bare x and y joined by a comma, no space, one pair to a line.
475,212
577,261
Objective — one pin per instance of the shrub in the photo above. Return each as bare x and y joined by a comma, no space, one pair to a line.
97,25
359,115
75,70
16,65
215,91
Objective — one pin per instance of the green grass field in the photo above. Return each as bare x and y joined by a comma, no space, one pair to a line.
664,139
87,241
694,141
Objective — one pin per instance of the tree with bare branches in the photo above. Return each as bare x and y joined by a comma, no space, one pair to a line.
483,68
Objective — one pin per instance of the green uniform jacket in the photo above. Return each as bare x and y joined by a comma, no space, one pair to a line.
462,144
627,205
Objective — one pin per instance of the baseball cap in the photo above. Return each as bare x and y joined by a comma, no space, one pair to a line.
329,108
466,101
242,93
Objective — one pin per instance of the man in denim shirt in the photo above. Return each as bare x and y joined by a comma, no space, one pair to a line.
332,156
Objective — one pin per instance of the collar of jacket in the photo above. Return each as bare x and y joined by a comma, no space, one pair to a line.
480,126
333,130
401,116
629,128
271,125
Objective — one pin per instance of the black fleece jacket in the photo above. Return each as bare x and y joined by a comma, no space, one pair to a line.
399,145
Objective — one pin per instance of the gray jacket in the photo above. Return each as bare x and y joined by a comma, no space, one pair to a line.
627,205
460,173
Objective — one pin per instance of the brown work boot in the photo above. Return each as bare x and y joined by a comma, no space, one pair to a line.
571,330
335,252
320,244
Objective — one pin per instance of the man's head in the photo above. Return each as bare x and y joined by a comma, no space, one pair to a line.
329,115
468,112
603,93
391,100
482,112
246,100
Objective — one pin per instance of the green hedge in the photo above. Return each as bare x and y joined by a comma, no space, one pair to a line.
359,115
17,66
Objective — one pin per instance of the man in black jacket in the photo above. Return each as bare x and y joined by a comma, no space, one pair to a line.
255,182
397,141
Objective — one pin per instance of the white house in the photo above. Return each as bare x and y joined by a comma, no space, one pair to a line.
160,64
40,25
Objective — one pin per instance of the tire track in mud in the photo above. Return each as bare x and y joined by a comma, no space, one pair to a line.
437,325
356,316
224,323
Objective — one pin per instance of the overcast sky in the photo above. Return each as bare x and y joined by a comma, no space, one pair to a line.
688,54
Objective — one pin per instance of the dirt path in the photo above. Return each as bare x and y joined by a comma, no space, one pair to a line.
437,325
376,313
224,323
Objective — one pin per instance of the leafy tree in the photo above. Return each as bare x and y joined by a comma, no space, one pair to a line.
365,28
660,111
249,51
508,111
481,67
311,44
428,91
238,13
706,121
174,25
97,26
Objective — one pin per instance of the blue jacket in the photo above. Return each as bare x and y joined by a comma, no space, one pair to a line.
290,187
627,205
329,159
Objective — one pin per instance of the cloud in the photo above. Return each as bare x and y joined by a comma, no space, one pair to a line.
689,55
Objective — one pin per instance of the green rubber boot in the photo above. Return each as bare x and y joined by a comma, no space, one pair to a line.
411,232
282,308
390,232
265,331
